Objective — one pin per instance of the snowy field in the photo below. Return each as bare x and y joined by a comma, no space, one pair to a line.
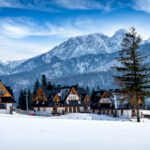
72,132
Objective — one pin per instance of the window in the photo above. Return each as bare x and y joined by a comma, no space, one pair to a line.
85,107
70,109
54,110
107,112
2,92
73,97
121,112
38,108
112,112
56,104
133,113
74,109
41,97
44,109
78,109
103,111
66,110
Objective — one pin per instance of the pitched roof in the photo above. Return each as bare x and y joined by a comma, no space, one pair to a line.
64,92
6,94
96,96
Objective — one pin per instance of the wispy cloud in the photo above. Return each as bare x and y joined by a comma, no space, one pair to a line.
19,28
142,5
42,5
79,4
49,5
15,31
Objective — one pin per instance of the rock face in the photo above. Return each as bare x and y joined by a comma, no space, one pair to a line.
86,60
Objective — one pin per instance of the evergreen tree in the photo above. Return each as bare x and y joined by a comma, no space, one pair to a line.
22,100
50,85
44,82
87,90
77,85
98,88
24,106
133,75
93,90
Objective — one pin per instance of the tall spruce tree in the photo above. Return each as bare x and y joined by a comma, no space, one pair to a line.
44,82
134,74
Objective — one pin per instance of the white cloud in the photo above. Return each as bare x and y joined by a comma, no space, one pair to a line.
84,4
79,4
25,4
143,5
22,38
19,28
49,5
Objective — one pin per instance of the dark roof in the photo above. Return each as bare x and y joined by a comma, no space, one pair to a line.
96,96
82,93
40,104
101,106
49,93
64,92
7,100
10,90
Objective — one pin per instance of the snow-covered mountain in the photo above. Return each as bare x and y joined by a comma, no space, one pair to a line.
74,47
89,44
86,60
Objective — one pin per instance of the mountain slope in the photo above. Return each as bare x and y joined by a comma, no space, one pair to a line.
84,59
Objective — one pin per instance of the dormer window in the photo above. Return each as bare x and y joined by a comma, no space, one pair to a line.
41,97
2,92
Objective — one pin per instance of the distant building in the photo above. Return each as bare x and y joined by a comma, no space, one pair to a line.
61,100
110,103
6,99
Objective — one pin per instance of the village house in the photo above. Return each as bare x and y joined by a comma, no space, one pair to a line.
57,101
6,99
107,103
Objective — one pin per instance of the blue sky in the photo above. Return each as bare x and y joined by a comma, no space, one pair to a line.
32,27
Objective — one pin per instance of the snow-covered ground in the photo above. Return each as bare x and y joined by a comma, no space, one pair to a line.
22,132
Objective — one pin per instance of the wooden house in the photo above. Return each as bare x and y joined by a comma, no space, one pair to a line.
6,99
60,101
111,104
101,102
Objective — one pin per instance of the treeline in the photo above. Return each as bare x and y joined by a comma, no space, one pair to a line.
27,96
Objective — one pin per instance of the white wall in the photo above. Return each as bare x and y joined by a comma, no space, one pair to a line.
8,108
2,111
47,111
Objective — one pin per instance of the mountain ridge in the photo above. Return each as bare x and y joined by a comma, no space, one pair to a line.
86,60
